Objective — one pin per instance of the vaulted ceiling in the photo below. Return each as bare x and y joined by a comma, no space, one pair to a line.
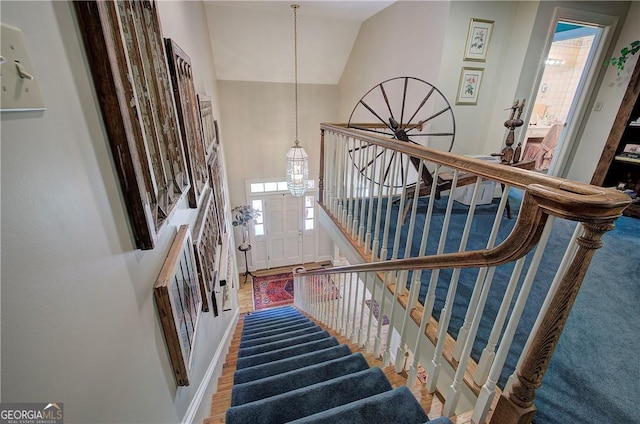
253,40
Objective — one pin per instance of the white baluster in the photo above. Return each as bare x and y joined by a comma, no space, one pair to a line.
482,408
364,182
354,332
368,234
415,288
464,331
569,253
368,345
387,221
445,314
361,332
376,237
456,386
488,353
377,348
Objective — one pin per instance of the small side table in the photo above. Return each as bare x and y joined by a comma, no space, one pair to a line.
244,249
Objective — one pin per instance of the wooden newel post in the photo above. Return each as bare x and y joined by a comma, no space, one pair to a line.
321,173
516,405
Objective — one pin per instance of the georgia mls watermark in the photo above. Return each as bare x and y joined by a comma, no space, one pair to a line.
31,413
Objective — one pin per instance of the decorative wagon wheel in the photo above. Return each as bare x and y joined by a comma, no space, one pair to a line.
406,109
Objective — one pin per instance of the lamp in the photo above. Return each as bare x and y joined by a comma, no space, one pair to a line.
297,158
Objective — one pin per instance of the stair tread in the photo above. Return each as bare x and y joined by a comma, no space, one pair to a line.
265,333
280,336
288,364
221,400
296,379
312,399
281,344
285,352
273,322
397,406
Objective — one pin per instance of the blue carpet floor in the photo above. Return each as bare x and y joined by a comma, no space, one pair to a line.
288,371
594,375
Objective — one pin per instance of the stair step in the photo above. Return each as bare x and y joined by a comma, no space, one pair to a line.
270,312
280,320
394,406
286,352
281,344
272,321
272,325
269,372
280,336
271,332
313,399
264,316
296,379
289,364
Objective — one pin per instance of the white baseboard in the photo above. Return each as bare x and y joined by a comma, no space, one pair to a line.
192,411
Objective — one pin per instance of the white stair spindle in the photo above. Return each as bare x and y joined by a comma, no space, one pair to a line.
481,409
462,334
445,314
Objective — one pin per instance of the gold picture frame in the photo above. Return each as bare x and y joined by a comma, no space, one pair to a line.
469,86
478,39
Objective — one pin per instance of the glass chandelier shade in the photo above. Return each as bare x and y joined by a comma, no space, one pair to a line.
297,170
297,158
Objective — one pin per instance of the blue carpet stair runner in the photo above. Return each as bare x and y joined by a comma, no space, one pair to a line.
291,370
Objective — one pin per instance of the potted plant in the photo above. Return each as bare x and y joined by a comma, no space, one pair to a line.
242,216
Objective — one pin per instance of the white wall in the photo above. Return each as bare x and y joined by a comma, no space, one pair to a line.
79,324
479,128
405,39
259,121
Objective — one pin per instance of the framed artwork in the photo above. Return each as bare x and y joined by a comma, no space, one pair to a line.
209,125
469,86
189,118
205,245
177,295
478,39
215,176
126,53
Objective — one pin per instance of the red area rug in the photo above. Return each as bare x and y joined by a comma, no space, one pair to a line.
272,290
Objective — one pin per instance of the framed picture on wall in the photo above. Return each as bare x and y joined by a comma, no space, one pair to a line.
131,77
178,299
469,86
478,39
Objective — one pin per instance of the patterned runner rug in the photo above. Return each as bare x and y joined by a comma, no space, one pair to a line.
272,290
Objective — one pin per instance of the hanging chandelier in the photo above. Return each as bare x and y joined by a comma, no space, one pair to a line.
297,158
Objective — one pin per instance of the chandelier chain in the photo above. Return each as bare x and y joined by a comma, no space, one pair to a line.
295,60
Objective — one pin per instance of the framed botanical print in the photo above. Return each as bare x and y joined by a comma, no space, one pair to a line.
478,39
469,86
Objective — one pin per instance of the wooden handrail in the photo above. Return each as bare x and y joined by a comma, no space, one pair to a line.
600,203
595,207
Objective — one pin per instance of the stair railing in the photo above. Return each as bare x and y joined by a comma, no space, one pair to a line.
420,250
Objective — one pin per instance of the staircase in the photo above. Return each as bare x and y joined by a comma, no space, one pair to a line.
289,369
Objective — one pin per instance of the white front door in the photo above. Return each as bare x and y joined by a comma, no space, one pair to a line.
283,220
285,232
